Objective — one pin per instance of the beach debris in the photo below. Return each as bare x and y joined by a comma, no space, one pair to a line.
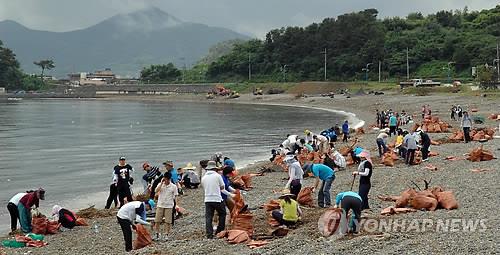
360,131
92,213
143,238
447,200
241,217
388,198
30,240
479,170
247,180
389,158
480,154
432,124
271,205
392,210
453,158
494,116
253,244
305,197
234,236
431,167
433,142
39,225
81,222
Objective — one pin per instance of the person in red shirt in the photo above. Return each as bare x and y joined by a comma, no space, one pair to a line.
24,207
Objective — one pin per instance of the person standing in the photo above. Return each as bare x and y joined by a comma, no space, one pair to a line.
227,194
381,142
327,176
345,131
122,179
167,194
466,126
410,143
113,193
128,213
393,124
425,141
295,175
453,111
347,201
12,208
365,170
213,185
24,207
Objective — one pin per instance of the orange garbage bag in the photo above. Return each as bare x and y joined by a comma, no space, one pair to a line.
237,182
424,202
234,236
247,180
329,221
36,244
143,237
391,210
447,200
272,205
387,159
53,227
39,225
243,221
305,197
406,195
81,222
271,221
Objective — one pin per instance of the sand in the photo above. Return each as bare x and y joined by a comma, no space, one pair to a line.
477,194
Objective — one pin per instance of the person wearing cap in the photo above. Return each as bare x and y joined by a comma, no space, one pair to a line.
213,185
227,193
123,180
309,136
349,200
13,211
345,131
152,172
189,178
354,154
167,194
64,216
229,162
24,208
295,175
129,213
327,176
169,167
382,141
289,212
365,170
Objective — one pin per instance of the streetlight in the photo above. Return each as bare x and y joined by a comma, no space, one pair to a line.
324,53
449,70
366,70
283,70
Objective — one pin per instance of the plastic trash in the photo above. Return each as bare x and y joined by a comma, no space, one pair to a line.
35,237
96,228
13,244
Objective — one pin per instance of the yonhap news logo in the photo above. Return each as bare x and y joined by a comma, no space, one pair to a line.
422,225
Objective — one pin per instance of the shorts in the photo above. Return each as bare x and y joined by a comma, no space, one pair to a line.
163,212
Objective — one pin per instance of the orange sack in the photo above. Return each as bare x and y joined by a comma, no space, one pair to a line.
53,227
329,221
424,202
305,197
447,200
406,195
81,222
143,237
39,225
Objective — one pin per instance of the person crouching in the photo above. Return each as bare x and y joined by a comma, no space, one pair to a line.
64,216
350,200
130,212
289,212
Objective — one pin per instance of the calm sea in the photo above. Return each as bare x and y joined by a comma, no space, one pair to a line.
70,147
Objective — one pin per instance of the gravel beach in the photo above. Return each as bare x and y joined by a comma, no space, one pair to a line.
476,193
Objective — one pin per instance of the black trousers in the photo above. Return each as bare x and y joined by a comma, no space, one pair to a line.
392,130
344,139
124,192
127,233
467,134
14,215
425,151
210,208
113,193
278,216
410,156
352,203
364,189
295,187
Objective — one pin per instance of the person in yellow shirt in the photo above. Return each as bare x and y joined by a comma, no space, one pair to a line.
399,144
289,212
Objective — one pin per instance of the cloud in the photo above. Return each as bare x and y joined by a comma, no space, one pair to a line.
254,17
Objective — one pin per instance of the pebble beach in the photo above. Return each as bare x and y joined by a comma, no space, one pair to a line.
476,192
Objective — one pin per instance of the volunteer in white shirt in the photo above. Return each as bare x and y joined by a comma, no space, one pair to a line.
213,185
130,212
14,213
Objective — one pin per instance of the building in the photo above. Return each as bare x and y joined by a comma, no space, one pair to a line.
104,77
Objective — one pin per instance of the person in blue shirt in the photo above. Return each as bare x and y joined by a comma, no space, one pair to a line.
327,176
345,131
350,200
228,193
393,124
229,162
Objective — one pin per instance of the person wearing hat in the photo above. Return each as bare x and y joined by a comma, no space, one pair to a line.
189,177
152,172
13,211
64,216
130,213
217,157
309,136
24,208
229,162
295,175
347,201
123,180
289,212
382,141
365,170
213,185
327,176
167,194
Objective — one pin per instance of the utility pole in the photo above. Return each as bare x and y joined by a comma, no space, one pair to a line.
325,52
498,63
407,64
249,68
379,69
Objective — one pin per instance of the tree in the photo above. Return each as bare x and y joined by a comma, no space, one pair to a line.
10,74
45,64
160,73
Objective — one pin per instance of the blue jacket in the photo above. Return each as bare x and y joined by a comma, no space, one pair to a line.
341,196
345,128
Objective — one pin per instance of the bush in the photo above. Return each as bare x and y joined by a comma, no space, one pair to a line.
273,91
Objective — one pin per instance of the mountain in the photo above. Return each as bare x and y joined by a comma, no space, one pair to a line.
125,43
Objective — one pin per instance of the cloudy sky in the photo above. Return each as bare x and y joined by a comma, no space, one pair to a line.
252,17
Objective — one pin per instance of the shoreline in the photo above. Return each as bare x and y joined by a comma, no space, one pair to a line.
476,193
